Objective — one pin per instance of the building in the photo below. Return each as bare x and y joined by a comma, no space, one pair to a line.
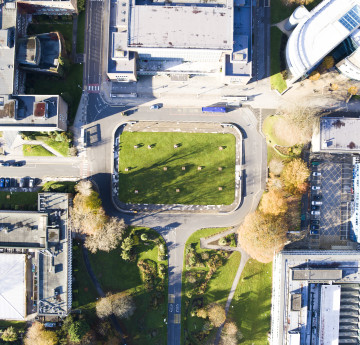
180,40
35,260
315,34
39,53
315,298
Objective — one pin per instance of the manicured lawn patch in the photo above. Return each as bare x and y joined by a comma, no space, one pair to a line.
147,325
80,38
36,150
195,185
70,87
60,146
251,305
65,29
84,291
18,325
18,200
59,187
276,79
194,276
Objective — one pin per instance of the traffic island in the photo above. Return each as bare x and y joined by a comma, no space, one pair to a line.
168,177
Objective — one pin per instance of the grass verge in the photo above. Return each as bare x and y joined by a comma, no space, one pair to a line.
147,325
156,186
217,289
36,150
268,130
251,305
18,200
18,325
80,35
276,78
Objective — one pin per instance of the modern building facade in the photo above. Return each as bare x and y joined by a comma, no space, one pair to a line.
316,33
35,260
180,39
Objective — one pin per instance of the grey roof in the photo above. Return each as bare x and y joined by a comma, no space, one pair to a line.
316,274
181,27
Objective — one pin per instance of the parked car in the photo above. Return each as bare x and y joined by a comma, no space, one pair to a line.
31,183
314,227
314,232
50,324
315,163
5,164
22,183
315,208
155,106
7,182
315,173
315,222
317,197
315,213
315,187
316,203
19,164
2,182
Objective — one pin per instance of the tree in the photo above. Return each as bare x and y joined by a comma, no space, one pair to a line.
262,235
334,86
230,328
73,151
295,175
81,5
103,307
77,330
273,202
328,62
9,334
276,166
314,75
84,187
144,237
202,313
121,305
108,238
352,91
37,335
216,314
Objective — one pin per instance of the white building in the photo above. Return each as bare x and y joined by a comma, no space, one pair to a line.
318,32
180,39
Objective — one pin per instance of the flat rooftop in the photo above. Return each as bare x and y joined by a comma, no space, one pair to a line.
340,134
12,287
316,274
181,27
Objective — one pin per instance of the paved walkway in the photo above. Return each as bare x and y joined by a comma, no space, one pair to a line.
204,243
99,290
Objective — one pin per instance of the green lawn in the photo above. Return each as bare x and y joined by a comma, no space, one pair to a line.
36,150
70,87
276,79
251,305
146,326
80,39
156,186
18,325
59,187
279,11
217,289
60,146
18,200
269,131
64,29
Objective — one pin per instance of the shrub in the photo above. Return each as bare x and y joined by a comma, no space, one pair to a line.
314,75
144,237
223,241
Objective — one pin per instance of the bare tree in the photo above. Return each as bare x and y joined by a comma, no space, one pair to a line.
84,187
121,305
108,238
216,314
37,335
276,166
103,307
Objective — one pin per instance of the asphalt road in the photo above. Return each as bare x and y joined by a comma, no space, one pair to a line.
176,228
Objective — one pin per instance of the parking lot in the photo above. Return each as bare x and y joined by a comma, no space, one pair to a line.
330,199
18,184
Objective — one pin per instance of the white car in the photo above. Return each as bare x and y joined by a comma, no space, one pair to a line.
315,213
31,183
315,187
316,203
315,173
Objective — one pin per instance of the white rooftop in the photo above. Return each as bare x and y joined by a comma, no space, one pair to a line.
181,27
329,315
319,32
12,286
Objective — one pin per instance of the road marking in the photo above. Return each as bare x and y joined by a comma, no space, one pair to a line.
177,318
171,298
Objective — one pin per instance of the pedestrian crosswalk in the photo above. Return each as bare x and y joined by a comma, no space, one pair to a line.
93,88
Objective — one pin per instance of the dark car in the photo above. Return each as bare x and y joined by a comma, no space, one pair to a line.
18,164
315,208
315,222
155,106
2,182
314,232
5,164
314,227
317,197
7,182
